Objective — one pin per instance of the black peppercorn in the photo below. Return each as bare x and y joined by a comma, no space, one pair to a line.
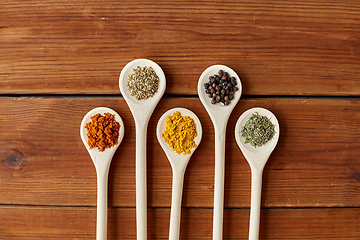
221,88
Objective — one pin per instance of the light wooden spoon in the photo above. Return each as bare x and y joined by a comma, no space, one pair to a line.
257,158
102,162
178,163
141,111
219,116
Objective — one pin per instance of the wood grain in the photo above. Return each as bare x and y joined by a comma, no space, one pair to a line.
19,222
60,59
43,161
277,48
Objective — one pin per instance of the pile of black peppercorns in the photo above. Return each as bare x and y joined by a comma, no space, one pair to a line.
221,88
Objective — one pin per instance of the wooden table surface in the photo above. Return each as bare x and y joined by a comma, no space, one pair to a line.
60,59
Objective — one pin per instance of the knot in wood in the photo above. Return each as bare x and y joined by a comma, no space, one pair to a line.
357,176
15,159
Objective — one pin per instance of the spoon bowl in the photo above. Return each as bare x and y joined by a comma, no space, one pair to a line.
176,159
215,109
219,116
102,162
141,111
178,163
140,105
108,153
257,158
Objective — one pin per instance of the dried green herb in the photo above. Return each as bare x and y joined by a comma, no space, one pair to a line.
143,83
258,130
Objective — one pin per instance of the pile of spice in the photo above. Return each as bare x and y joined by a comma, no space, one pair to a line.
103,131
180,133
143,83
258,130
221,88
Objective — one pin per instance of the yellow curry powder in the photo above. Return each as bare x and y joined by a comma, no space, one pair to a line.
180,133
103,131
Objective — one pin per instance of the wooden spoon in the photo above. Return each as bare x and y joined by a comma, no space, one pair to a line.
102,162
141,111
219,116
257,158
178,163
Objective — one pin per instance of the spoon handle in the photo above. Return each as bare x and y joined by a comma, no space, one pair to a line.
219,183
141,193
256,180
175,215
102,203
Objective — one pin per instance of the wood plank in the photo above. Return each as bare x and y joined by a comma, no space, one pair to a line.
43,161
277,48
79,223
